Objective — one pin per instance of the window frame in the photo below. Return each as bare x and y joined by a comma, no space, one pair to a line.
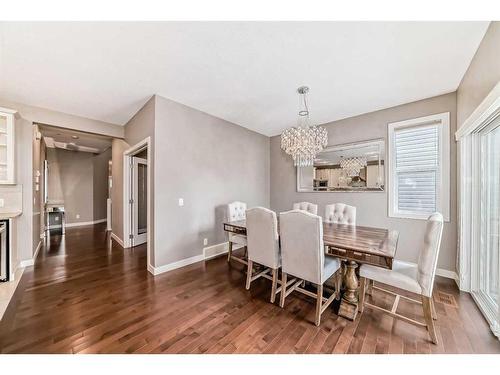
443,170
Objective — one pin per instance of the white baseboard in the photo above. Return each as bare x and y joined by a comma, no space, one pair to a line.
117,239
78,224
30,262
172,266
82,223
209,252
439,272
214,251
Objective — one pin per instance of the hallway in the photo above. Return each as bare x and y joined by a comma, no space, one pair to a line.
83,297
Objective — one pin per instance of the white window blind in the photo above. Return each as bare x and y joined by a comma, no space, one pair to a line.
419,167
417,162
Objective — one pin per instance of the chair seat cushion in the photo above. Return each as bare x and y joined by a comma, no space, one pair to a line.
402,275
330,267
238,239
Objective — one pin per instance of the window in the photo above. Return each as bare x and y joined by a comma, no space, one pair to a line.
419,167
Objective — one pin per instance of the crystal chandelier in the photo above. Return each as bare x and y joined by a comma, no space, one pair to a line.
352,166
304,141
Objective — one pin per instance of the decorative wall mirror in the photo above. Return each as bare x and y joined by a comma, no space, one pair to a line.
348,167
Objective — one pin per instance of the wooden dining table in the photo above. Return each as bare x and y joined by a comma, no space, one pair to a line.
354,245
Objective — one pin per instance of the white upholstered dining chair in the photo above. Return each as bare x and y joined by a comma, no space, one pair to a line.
306,206
263,246
418,279
303,257
340,213
236,212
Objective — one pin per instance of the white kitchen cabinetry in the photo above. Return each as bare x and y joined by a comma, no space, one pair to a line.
7,153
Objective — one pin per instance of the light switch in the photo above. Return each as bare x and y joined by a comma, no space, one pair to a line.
181,202
2,202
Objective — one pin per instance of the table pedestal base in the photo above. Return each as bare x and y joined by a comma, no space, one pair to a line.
349,304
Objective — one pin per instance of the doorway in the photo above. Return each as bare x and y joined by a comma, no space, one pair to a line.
139,200
137,196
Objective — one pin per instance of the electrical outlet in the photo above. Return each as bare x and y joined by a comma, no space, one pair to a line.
181,202
2,202
205,241
77,216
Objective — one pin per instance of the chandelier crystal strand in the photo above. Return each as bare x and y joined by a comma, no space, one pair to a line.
352,166
304,142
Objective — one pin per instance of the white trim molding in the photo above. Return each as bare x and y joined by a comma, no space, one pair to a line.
209,252
214,251
443,168
470,205
31,262
439,271
172,266
80,223
117,239
127,229
485,112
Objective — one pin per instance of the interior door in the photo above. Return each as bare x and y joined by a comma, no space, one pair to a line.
139,201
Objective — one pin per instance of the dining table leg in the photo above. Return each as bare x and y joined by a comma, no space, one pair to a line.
349,304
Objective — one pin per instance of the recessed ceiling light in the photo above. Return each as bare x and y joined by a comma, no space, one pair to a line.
75,137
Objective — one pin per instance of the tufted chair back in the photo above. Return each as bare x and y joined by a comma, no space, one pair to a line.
428,257
340,213
262,236
306,206
302,249
236,211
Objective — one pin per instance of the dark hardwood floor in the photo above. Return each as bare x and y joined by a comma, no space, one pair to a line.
84,297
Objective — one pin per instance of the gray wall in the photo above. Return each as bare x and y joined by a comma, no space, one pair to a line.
209,162
372,207
118,147
71,179
481,76
100,168
139,127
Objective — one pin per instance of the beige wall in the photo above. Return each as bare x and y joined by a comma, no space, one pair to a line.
100,183
208,162
372,206
71,180
481,76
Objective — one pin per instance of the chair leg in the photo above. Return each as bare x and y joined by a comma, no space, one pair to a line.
369,287
362,291
433,310
275,282
338,284
319,303
426,305
283,289
230,251
249,273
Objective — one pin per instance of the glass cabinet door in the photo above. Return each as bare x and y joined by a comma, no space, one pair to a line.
6,148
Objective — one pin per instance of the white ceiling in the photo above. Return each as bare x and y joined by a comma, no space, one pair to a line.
243,72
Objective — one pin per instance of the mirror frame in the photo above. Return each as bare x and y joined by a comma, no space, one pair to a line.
329,148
